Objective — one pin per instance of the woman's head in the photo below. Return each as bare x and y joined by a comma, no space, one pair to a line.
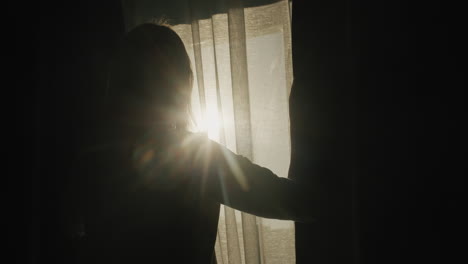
150,77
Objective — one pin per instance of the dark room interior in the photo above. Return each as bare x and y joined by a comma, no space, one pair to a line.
375,110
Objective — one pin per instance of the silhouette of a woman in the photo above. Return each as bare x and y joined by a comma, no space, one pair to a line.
153,193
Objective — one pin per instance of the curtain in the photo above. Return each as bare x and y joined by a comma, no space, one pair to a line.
242,63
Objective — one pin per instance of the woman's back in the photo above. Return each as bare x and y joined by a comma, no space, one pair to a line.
129,220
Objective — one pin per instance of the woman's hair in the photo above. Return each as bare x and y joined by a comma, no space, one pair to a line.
151,70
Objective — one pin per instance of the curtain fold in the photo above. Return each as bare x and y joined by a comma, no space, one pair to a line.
241,59
242,116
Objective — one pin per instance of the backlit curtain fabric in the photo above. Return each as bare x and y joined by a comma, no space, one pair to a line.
241,59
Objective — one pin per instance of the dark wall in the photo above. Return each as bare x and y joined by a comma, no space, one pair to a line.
376,121
73,42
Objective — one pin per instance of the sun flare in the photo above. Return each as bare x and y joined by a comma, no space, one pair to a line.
211,124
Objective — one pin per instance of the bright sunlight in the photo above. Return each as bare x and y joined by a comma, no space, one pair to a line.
211,124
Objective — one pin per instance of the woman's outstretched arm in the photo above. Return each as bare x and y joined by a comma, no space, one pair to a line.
202,167
238,183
